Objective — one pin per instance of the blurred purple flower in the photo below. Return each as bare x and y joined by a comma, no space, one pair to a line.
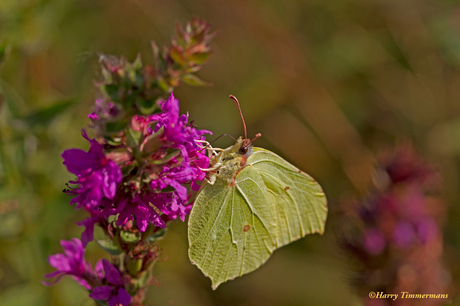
374,241
403,234
72,263
103,110
97,176
114,293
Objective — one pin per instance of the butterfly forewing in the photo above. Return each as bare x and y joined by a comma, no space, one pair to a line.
231,228
297,201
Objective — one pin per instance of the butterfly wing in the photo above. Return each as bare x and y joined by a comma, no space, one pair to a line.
297,201
231,228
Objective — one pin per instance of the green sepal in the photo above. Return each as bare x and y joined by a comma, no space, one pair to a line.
109,246
141,280
130,237
133,265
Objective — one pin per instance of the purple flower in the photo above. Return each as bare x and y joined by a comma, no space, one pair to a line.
114,293
103,110
88,234
374,242
403,234
97,176
139,207
177,131
71,263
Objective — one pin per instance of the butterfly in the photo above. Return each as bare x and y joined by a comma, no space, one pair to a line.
252,203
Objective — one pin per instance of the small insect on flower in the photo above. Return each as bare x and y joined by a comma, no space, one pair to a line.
252,203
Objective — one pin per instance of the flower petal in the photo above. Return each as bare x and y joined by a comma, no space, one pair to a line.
101,293
123,297
111,273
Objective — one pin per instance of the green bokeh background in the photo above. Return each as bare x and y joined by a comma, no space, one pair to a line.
327,83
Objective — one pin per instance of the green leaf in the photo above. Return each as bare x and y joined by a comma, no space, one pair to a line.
133,138
158,235
137,64
112,91
163,85
106,74
45,115
130,237
193,80
116,126
154,142
146,106
199,58
109,246
177,56
169,155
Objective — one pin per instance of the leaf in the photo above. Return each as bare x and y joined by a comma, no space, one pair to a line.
169,155
133,138
153,142
45,115
112,91
137,64
130,237
250,211
193,80
109,246
177,56
158,235
199,58
146,106
116,126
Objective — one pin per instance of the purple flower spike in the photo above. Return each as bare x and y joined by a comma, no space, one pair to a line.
97,176
72,263
114,294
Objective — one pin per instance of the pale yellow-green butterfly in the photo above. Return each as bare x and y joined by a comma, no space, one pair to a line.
252,203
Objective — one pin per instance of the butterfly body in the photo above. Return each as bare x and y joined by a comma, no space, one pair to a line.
229,162
253,203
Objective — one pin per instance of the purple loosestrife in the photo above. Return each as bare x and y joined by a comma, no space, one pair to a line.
97,176
142,170
113,293
154,190
73,263
395,234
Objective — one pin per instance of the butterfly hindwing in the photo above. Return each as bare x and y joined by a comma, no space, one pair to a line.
297,201
231,228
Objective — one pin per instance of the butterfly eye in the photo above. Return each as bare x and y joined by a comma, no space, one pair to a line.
243,150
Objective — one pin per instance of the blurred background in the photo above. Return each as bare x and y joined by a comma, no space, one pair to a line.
329,84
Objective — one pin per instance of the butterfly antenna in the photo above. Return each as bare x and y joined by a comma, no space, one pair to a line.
241,114
221,137
257,136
